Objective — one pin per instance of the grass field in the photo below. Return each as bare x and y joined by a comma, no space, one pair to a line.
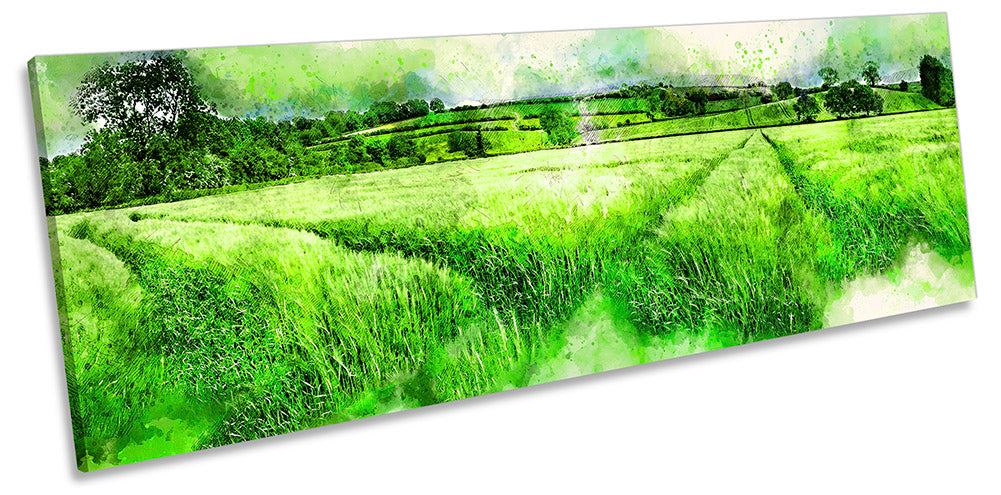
244,315
515,128
769,114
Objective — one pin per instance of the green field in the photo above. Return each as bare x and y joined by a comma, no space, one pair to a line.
244,315
515,128
769,114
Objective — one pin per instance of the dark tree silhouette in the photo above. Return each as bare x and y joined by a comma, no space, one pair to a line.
783,90
437,105
936,81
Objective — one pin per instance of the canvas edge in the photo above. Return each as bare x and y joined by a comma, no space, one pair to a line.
66,341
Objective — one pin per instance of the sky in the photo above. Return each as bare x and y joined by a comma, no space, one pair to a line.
286,81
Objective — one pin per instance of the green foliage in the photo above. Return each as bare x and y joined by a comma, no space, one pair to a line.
255,314
903,86
399,146
806,108
138,98
870,73
437,106
667,102
851,98
205,152
342,122
256,161
936,81
467,143
783,90
559,127
829,76
699,97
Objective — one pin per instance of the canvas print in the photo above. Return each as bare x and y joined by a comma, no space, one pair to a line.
250,241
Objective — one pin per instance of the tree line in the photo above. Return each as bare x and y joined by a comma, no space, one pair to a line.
155,135
850,98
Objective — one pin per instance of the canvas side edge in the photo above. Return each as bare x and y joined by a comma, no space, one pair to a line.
76,418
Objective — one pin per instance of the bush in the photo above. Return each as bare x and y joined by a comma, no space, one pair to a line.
376,149
699,97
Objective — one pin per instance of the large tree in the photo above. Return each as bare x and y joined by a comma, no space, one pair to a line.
138,98
806,108
870,73
936,81
851,98
699,98
829,76
437,106
783,90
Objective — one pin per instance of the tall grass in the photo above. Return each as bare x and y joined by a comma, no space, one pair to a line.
303,304
105,345
279,328
880,184
733,258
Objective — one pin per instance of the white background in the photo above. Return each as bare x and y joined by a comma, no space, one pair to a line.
902,405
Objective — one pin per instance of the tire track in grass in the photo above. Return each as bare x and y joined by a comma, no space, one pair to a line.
521,276
862,240
506,263
532,284
109,406
177,309
730,261
225,350
900,271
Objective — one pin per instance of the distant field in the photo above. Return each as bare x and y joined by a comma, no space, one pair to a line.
517,111
732,104
316,302
615,120
770,114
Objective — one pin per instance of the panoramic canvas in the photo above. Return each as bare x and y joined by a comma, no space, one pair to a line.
249,241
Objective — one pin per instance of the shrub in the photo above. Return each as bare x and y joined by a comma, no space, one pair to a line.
699,97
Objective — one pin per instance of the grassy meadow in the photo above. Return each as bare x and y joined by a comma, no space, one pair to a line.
238,316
